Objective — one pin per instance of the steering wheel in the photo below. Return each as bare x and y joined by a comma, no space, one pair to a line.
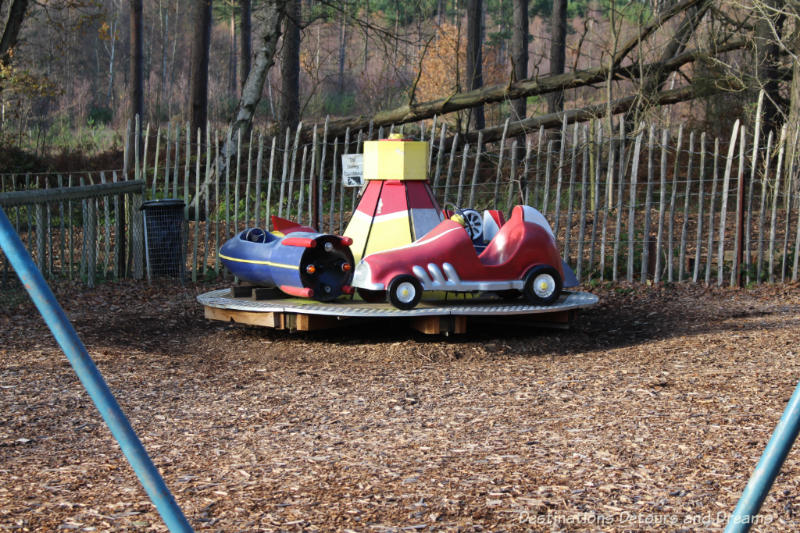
473,221
256,235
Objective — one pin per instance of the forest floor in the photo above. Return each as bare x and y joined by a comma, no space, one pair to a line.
649,414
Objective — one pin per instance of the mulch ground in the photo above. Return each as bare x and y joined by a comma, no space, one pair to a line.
649,414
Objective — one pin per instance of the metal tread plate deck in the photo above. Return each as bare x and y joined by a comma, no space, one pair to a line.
489,306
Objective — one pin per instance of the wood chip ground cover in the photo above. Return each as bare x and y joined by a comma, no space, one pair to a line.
649,414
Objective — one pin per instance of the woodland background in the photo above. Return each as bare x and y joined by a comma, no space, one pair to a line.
74,73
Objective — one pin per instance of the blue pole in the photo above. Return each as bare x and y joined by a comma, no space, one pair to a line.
768,468
87,372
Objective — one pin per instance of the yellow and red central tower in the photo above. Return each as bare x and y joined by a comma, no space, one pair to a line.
398,206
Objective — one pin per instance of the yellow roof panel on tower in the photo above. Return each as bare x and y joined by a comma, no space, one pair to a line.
395,159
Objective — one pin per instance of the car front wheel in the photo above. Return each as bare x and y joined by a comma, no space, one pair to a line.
405,292
542,285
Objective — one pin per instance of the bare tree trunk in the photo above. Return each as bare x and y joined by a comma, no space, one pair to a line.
475,55
342,47
233,87
16,14
768,28
290,67
366,34
136,87
270,16
558,49
245,38
519,53
111,58
199,70
653,81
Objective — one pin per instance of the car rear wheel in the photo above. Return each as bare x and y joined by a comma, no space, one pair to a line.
542,285
372,297
405,292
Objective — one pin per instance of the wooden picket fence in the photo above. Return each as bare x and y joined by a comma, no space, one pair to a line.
631,204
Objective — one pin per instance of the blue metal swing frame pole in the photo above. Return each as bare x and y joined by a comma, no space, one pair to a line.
768,468
91,378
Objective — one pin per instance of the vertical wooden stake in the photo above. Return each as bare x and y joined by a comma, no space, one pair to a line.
439,159
500,164
584,191
698,245
257,203
736,277
476,169
648,206
686,214
237,183
560,178
632,204
726,182
571,194
776,192
268,212
449,176
462,174
284,173
711,207
762,210
620,192
671,228
662,205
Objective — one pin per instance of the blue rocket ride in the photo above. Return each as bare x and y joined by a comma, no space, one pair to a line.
300,263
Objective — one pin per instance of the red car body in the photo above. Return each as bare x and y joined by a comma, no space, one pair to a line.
513,262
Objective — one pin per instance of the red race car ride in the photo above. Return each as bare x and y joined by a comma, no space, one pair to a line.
521,258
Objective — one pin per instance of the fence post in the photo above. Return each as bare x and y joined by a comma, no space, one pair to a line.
647,203
462,174
155,163
736,275
547,173
632,204
726,182
476,170
249,180
671,225
500,163
762,209
560,178
237,183
753,163
713,201
313,178
685,226
571,193
137,230
320,204
584,184
197,205
662,205
448,178
438,156
620,192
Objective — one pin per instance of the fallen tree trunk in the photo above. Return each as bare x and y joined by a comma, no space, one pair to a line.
520,89
555,120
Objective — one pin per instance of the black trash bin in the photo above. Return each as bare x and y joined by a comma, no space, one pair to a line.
164,237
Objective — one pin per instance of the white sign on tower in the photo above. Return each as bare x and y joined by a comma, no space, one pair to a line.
353,170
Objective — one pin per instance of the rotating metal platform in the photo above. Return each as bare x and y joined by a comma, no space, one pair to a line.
438,313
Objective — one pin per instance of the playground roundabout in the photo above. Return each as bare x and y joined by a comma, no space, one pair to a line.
435,314
648,414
